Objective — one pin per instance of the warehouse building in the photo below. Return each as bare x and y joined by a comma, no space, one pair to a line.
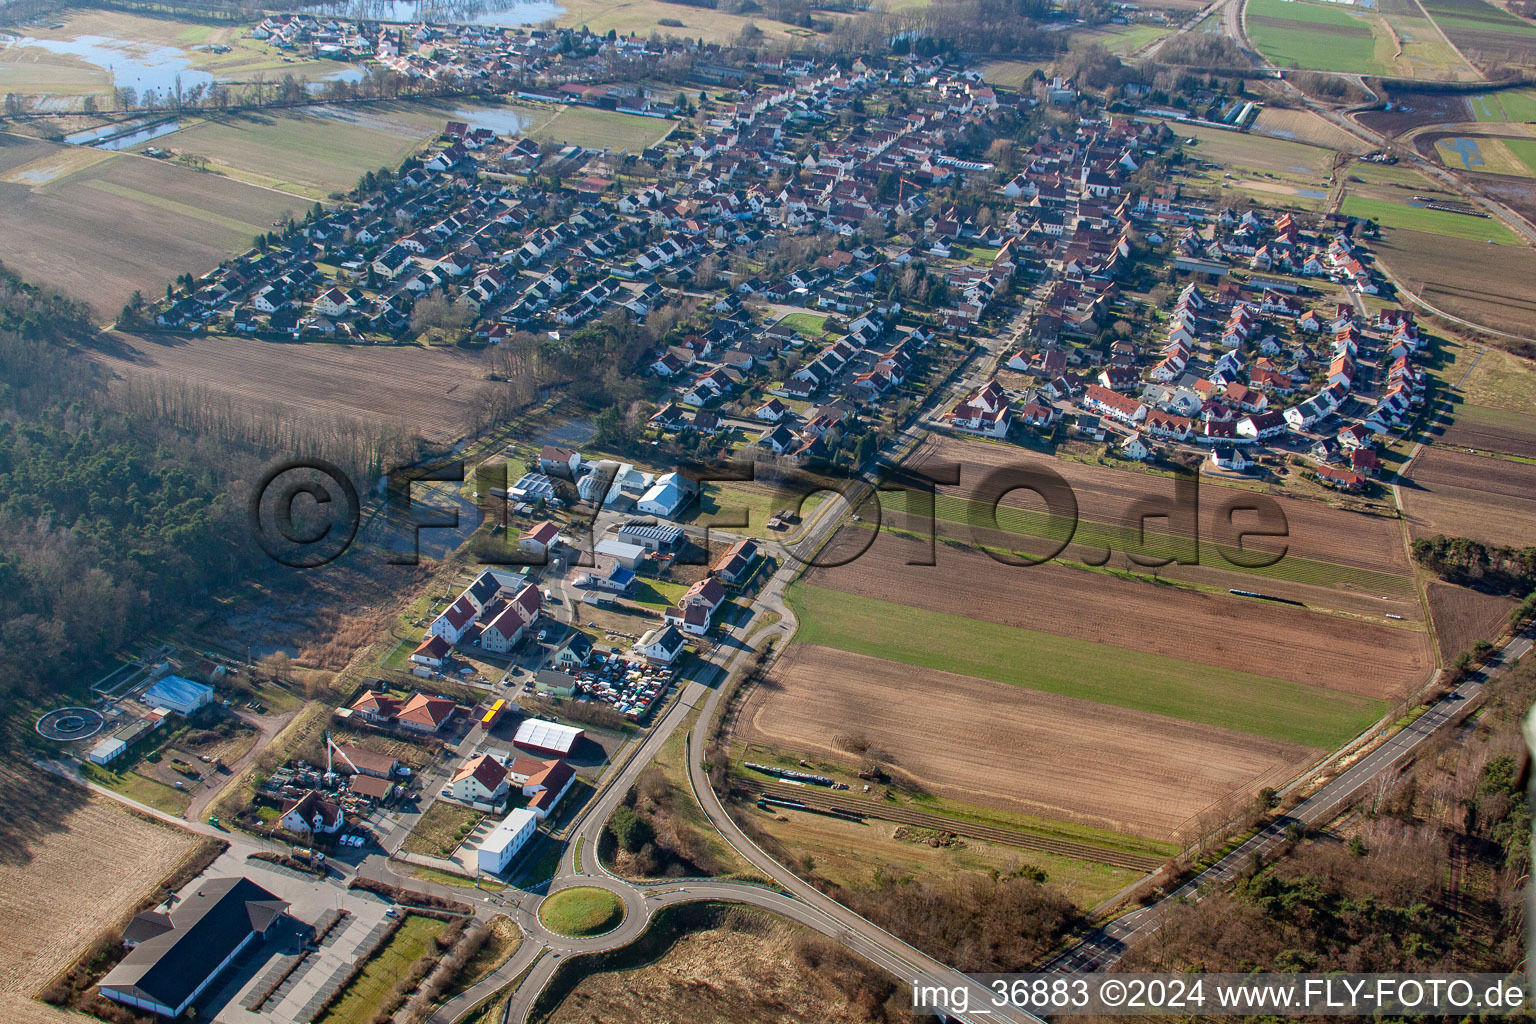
174,957
497,849
549,738
182,696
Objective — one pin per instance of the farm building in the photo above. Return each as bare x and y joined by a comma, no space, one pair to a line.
549,738
173,957
497,849
182,696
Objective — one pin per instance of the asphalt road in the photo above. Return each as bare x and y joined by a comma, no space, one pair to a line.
1104,948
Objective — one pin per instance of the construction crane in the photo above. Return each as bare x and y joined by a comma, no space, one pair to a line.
330,745
901,190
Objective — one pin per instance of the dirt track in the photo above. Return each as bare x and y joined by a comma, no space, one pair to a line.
1263,638
987,743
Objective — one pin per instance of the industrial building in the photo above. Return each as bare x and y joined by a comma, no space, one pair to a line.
497,849
175,956
549,738
182,696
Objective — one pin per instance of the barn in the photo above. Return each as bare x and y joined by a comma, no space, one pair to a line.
549,738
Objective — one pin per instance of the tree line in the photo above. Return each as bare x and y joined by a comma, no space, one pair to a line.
1493,567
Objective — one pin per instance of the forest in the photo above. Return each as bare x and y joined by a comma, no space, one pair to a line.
1428,874
1492,567
109,525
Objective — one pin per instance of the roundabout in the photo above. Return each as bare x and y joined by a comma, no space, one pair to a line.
582,911
66,725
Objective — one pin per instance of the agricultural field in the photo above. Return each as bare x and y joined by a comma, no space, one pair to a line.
1408,217
1322,37
1486,154
61,846
1425,52
602,129
1306,126
1056,602
1323,545
1461,495
1498,430
1449,272
105,229
313,153
1056,757
1507,105
647,16
1085,667
433,392
1484,32
1464,616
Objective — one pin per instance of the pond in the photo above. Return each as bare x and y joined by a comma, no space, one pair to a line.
501,120
139,137
139,66
474,12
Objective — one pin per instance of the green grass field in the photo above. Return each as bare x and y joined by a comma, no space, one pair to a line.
1518,105
1323,37
310,155
1077,668
1498,156
1438,222
602,129
361,999
1474,16
811,325
581,910
146,791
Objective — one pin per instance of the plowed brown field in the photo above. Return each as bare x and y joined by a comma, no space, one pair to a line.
1317,532
71,865
987,743
1264,638
1463,617
1461,495
433,392
1392,595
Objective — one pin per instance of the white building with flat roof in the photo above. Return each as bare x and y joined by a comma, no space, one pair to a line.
497,849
